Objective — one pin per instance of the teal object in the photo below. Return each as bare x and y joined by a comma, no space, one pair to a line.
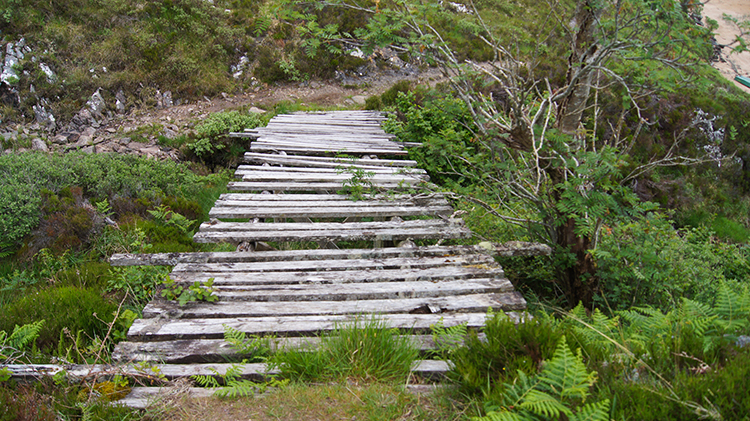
743,80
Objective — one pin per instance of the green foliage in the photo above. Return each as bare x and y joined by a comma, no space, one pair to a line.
648,262
233,385
448,339
27,175
506,348
81,310
365,349
252,349
13,346
359,184
166,217
139,283
559,390
211,134
198,291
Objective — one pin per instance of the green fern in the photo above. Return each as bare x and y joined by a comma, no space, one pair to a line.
559,389
448,339
253,348
11,346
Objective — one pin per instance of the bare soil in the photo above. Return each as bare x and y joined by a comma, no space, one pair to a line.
733,64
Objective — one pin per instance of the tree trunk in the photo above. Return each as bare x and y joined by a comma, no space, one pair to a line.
579,281
570,109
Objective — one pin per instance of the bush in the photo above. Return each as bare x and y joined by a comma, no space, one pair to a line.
119,178
78,310
508,347
647,262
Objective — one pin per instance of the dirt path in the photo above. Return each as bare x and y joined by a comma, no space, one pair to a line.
734,63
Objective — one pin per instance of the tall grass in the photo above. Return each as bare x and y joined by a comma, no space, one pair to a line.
366,349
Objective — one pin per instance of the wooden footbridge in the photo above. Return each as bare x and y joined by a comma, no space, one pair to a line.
289,192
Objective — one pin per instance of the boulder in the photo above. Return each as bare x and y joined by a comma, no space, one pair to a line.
38,144
96,105
120,101
44,118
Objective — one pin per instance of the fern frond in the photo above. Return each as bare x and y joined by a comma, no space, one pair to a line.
502,416
205,381
598,411
565,374
238,388
22,335
540,403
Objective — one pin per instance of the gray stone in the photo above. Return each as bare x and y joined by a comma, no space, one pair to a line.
120,101
38,144
124,141
743,341
359,99
44,118
96,105
256,110
89,149
315,85
60,139
169,134
167,99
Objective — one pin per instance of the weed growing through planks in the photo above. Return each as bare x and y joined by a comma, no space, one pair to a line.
366,349
198,291
360,182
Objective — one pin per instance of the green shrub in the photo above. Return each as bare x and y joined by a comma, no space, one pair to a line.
78,310
647,262
507,347
119,178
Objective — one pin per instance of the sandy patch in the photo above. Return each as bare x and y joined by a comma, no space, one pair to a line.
734,64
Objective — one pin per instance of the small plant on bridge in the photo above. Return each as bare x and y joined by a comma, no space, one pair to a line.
198,291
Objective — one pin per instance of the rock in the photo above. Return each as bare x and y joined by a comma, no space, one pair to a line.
96,105
51,77
315,85
124,141
86,138
743,341
167,99
89,149
14,53
359,99
169,133
256,110
44,118
120,102
38,144
60,139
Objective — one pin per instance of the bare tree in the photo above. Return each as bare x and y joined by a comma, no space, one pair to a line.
547,139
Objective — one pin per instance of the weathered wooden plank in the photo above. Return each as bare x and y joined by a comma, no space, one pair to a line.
172,259
430,199
469,303
382,234
162,330
310,160
376,179
222,211
343,168
361,291
329,265
250,186
438,272
185,351
219,226
260,147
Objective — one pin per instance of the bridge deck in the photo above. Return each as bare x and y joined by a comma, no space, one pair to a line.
294,189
